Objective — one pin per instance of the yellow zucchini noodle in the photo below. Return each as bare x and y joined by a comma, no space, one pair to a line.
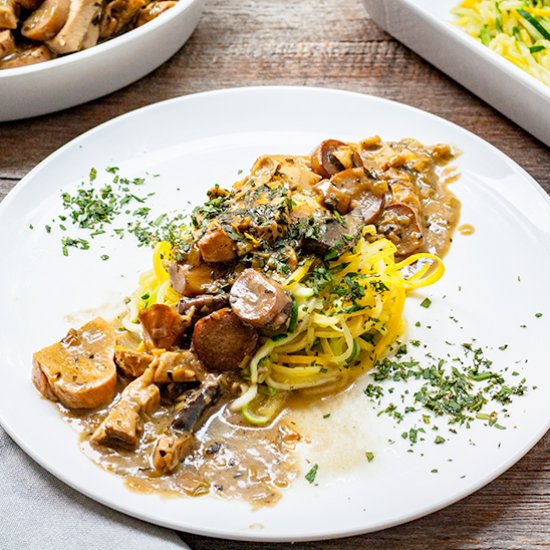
518,30
338,329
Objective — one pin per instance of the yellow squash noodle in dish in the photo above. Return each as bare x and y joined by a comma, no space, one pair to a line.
346,315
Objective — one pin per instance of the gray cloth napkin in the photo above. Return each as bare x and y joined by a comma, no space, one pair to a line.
37,511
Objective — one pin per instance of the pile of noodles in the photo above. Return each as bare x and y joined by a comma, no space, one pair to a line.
346,316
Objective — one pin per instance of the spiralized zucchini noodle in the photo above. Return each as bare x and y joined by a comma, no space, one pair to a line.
346,315
518,30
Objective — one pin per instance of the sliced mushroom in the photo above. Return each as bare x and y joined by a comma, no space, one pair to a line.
81,14
177,442
400,224
27,56
47,20
333,197
324,160
259,301
8,14
194,403
162,325
7,45
203,305
335,236
117,14
177,277
222,341
152,10
30,5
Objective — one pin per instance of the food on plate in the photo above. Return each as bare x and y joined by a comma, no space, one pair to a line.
518,30
32,31
291,282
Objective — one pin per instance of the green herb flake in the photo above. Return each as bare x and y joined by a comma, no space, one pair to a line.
369,455
426,302
312,474
439,440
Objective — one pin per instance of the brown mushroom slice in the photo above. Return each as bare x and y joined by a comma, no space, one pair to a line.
177,277
335,236
7,45
117,14
27,56
222,341
152,10
30,5
78,371
260,301
8,14
400,224
177,442
351,188
71,36
194,403
324,160
162,326
333,197
203,305
45,22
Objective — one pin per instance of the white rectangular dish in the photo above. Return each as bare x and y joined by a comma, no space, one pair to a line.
426,27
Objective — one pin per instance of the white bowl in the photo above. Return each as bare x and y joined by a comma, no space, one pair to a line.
82,76
426,27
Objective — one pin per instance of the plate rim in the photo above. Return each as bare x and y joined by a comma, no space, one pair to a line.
257,536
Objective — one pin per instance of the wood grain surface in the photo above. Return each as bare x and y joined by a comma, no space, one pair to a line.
328,43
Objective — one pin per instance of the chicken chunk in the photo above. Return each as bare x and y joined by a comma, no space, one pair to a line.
171,449
216,246
82,13
162,325
123,424
79,371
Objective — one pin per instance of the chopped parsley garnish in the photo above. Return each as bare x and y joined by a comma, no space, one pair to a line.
426,302
458,394
369,455
310,476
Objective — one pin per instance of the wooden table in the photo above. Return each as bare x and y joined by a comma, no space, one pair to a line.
329,43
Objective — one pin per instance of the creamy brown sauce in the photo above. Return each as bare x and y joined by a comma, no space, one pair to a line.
424,187
466,229
230,459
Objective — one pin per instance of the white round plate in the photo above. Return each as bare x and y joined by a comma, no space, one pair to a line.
494,287
82,76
